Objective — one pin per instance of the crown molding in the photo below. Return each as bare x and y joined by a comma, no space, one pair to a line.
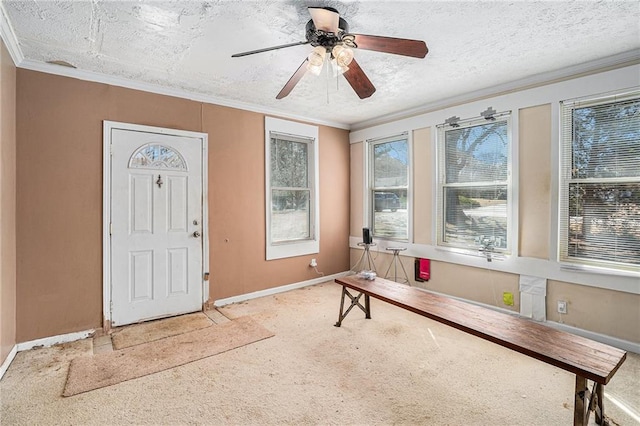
9,38
11,42
620,60
168,91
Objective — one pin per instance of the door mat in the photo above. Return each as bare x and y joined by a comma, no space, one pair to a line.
155,330
93,372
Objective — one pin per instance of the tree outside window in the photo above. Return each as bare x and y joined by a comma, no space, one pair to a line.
474,182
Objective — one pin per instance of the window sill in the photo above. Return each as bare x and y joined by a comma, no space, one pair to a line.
496,255
282,251
588,269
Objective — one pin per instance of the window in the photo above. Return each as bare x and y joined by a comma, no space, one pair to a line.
291,188
600,182
474,184
155,156
389,187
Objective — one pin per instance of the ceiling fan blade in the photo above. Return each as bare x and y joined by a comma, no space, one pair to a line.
266,49
398,46
325,19
295,78
359,80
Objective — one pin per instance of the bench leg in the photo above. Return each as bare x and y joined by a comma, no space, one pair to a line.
355,301
367,306
579,409
596,404
586,401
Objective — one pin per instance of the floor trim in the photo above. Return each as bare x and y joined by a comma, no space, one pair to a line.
54,340
275,290
625,345
7,362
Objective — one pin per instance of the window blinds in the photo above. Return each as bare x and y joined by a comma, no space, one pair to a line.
600,181
474,194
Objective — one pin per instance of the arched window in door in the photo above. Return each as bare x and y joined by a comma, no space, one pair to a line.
156,156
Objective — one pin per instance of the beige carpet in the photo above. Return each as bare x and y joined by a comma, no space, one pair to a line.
397,368
97,371
160,329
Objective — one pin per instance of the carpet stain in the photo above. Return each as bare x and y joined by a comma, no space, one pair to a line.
93,372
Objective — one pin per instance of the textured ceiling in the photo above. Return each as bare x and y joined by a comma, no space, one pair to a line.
187,46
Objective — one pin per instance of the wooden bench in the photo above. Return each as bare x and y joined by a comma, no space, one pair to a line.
587,359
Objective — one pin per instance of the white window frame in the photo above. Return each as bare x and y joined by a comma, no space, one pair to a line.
510,183
566,142
370,200
279,250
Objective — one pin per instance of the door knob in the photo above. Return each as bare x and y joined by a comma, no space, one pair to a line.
196,234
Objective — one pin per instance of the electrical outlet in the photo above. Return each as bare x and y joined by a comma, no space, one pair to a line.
313,263
562,307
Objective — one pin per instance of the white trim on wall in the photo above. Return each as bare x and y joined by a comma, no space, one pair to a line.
511,264
605,82
619,60
9,38
368,205
296,247
614,61
275,290
602,338
8,360
108,126
98,77
54,340
43,343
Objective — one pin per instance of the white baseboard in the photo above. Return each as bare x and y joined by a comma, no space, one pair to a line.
54,340
276,290
625,345
44,343
602,338
71,337
7,362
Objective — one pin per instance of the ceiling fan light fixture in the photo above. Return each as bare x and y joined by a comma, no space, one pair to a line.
316,60
314,69
329,33
342,55
337,69
316,57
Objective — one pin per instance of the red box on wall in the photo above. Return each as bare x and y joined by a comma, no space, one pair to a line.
422,270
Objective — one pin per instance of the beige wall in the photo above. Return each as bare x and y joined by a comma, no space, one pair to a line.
480,285
612,313
59,202
535,181
7,203
608,312
357,184
423,186
237,206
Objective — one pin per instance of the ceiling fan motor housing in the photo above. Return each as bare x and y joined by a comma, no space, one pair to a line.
327,39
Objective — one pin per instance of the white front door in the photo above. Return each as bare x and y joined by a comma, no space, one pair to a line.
156,231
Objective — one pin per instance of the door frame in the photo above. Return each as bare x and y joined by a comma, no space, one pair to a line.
107,128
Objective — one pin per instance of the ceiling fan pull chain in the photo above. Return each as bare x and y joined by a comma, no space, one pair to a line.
328,79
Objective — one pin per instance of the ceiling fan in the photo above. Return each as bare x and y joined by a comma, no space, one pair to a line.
329,34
